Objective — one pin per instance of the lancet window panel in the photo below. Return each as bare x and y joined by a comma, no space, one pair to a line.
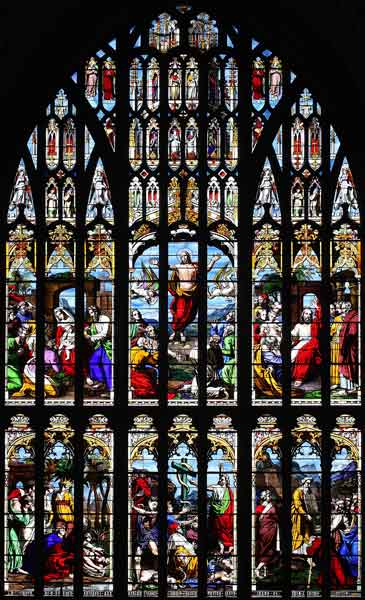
167,140
282,501
182,328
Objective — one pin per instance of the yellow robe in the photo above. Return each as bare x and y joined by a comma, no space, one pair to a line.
300,525
335,349
264,380
140,357
65,507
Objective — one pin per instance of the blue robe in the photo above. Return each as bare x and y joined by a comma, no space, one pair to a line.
349,551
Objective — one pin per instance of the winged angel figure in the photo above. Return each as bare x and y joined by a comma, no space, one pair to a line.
223,283
147,287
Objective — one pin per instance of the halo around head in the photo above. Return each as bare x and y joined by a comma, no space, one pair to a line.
184,251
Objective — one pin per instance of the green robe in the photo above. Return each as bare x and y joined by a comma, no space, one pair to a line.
219,507
106,344
229,371
15,380
17,520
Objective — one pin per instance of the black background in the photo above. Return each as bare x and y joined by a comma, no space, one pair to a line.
43,42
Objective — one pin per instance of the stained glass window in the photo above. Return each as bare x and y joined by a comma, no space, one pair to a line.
182,327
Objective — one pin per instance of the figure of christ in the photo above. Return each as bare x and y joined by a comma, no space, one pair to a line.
100,361
305,353
68,203
184,288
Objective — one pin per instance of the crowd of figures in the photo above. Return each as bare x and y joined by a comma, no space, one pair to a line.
59,538
267,340
183,288
307,547
307,535
306,354
182,529
221,358
59,351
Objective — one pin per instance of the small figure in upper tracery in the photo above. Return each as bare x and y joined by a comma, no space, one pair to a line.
175,88
314,200
100,196
22,196
91,78
275,79
52,202
109,72
345,195
258,78
267,196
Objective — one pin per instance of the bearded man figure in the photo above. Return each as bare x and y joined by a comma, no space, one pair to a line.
184,288
305,353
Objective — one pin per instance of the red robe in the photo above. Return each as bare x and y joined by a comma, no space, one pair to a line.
222,525
141,490
267,528
69,144
59,563
315,144
144,383
348,357
309,356
183,307
339,579
297,144
13,295
108,84
258,84
52,151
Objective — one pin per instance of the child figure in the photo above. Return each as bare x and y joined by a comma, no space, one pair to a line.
67,341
